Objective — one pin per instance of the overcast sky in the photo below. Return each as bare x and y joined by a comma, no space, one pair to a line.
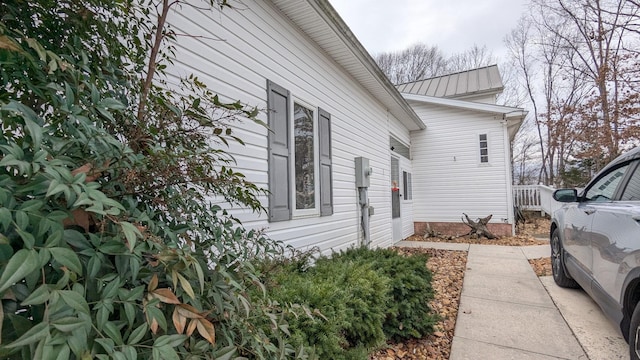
453,25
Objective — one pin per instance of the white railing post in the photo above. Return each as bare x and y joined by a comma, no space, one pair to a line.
527,197
535,198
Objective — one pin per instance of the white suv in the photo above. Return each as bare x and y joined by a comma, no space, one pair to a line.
595,243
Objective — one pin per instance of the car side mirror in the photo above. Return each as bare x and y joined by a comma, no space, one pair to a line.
565,195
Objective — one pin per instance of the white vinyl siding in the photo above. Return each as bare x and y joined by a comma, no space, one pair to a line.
237,52
447,179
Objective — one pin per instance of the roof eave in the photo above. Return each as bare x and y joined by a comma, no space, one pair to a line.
372,78
463,104
513,116
514,121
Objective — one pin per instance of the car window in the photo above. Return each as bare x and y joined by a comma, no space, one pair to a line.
632,191
603,189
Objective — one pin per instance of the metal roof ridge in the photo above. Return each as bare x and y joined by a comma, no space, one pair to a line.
453,73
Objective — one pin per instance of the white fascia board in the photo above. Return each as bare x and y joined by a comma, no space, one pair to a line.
508,112
345,49
390,96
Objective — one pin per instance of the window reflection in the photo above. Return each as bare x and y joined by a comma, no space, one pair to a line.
304,164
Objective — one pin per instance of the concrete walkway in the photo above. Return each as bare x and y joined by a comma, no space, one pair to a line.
507,313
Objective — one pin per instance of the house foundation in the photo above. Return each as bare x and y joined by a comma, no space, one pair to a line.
457,229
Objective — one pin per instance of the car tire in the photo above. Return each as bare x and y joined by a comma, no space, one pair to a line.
634,334
560,275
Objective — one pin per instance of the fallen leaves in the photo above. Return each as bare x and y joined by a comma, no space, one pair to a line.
541,266
517,240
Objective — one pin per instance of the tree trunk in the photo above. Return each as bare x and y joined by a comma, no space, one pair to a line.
478,227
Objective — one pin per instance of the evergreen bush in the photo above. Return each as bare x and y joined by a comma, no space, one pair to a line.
360,298
348,300
408,314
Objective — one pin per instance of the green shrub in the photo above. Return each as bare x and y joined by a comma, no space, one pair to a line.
349,297
408,314
359,297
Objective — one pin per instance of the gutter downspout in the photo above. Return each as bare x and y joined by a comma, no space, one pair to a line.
508,175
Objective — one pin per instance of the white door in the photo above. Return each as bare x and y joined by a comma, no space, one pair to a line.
396,218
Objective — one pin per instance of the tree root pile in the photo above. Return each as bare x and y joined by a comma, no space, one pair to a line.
448,273
527,235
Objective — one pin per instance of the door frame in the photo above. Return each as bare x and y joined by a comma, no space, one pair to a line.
396,199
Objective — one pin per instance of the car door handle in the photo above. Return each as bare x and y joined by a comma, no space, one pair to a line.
636,218
589,211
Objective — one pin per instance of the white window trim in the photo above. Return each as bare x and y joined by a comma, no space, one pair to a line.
478,150
403,188
300,213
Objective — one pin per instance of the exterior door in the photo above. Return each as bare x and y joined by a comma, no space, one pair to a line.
396,218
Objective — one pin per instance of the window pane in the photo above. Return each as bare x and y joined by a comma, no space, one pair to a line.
408,192
304,164
399,148
484,149
604,188
395,188
632,191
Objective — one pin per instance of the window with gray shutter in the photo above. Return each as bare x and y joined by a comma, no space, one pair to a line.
291,136
279,152
326,187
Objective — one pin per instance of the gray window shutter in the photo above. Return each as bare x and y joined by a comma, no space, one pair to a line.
326,184
279,155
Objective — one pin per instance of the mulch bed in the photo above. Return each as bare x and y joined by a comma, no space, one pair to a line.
448,274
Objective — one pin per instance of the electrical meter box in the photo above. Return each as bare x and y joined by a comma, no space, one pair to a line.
363,172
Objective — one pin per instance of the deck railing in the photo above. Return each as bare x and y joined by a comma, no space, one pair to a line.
535,198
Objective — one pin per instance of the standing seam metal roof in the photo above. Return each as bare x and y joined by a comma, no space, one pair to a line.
471,82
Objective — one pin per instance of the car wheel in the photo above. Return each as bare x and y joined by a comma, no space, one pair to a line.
634,335
557,263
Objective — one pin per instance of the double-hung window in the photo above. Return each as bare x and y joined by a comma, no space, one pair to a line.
300,179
